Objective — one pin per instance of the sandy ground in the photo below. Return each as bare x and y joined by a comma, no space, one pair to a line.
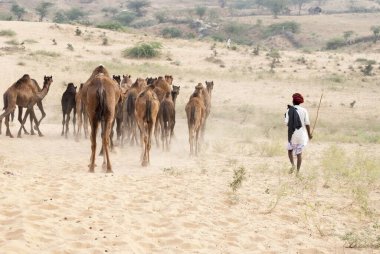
50,204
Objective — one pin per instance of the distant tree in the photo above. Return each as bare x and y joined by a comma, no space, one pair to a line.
376,32
200,11
275,6
125,17
60,17
42,9
161,16
18,11
300,3
138,6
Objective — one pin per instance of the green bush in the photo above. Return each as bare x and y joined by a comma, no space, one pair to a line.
219,37
171,32
335,43
5,16
143,50
279,28
115,26
7,32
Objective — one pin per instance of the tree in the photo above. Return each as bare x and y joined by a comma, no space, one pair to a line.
110,10
75,14
376,32
18,11
299,4
138,6
200,11
347,35
275,6
42,9
125,17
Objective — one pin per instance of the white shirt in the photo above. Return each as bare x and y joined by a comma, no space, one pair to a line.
300,136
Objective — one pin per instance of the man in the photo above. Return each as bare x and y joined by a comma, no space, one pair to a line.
297,120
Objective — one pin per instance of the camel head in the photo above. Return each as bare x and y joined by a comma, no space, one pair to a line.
71,88
117,78
175,92
210,86
98,70
150,80
47,81
169,79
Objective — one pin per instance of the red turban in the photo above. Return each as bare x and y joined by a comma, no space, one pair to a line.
297,98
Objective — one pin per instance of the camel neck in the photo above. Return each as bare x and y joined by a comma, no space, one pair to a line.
43,92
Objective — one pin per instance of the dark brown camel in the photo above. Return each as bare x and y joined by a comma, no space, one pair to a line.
102,96
195,112
68,104
166,116
24,93
147,106
129,118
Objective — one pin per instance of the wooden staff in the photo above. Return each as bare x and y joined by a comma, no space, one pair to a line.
316,118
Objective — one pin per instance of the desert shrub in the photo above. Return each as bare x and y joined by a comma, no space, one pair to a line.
219,37
75,14
78,32
335,43
365,61
279,28
143,50
171,32
12,42
7,32
60,17
111,25
125,17
367,70
238,178
70,47
200,11
234,28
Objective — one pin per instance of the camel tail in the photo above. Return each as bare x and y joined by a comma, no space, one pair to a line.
192,115
148,111
102,105
130,105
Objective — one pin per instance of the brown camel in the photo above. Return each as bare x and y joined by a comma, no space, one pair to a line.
124,84
147,106
195,112
102,96
24,93
20,111
68,104
166,116
81,100
80,114
129,118
162,86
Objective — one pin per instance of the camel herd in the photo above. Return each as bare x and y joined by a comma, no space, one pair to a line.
145,105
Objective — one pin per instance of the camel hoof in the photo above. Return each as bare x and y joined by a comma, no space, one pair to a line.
41,135
144,164
109,171
91,171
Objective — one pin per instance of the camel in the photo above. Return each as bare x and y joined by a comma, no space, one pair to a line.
166,116
124,84
162,86
68,104
117,79
102,96
20,111
129,118
206,93
24,93
81,99
195,112
147,106
80,113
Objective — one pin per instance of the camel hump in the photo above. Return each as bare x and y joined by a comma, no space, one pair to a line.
24,79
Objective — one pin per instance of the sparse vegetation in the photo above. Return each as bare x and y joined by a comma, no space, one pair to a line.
238,178
42,9
144,50
279,28
335,43
171,32
7,32
70,47
115,26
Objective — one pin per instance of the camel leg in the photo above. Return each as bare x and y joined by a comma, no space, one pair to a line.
23,122
12,116
8,132
85,123
19,118
67,124
41,107
106,141
74,120
31,125
157,134
63,123
163,135
94,130
191,140
33,115
80,122
197,142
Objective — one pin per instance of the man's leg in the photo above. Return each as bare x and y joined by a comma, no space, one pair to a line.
299,161
290,154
